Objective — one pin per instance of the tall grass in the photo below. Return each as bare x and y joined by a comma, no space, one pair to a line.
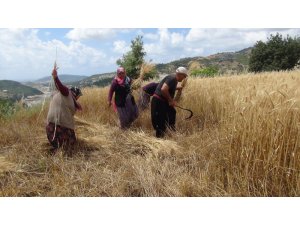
242,141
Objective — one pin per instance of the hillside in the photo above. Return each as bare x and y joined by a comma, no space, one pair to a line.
242,141
100,80
227,62
65,78
15,90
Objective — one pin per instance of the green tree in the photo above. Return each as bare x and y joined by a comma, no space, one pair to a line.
277,53
133,60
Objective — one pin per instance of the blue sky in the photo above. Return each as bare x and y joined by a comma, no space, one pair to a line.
28,54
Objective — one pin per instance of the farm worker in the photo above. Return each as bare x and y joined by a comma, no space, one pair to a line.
163,113
146,93
60,119
124,101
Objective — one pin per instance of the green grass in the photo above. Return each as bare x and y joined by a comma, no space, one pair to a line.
6,108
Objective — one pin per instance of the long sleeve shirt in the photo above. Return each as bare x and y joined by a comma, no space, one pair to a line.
112,89
62,88
150,88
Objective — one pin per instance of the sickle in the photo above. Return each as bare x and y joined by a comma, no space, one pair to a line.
191,112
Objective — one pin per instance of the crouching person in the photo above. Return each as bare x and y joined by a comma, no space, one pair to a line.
60,119
146,93
124,101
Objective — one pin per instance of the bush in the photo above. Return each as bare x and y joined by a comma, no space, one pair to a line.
6,108
206,72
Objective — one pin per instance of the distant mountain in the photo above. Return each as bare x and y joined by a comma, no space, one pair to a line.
65,78
100,80
226,62
15,90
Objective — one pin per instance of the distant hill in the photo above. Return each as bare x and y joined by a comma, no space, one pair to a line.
15,90
100,80
227,62
65,78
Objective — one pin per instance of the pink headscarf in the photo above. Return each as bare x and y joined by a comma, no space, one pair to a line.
119,79
121,70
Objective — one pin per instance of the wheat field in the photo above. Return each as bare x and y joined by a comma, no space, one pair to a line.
243,140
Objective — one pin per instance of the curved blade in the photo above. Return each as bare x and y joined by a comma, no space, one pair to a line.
190,111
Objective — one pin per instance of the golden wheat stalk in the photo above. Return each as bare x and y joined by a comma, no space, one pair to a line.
145,68
179,92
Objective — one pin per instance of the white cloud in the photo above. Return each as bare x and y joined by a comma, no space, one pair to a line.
194,51
120,47
177,39
112,60
78,34
23,55
220,40
253,37
153,49
164,36
82,34
166,45
151,36
196,35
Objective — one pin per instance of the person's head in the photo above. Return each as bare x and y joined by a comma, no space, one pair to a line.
181,73
76,92
121,72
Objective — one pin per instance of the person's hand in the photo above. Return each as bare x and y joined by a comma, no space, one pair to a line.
172,103
54,73
179,88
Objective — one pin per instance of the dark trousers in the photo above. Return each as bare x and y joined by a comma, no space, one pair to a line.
162,116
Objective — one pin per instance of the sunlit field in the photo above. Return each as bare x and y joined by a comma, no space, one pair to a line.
243,140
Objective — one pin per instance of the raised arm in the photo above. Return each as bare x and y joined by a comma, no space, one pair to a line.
62,88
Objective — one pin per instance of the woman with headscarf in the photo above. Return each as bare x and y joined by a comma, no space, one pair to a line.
124,101
60,119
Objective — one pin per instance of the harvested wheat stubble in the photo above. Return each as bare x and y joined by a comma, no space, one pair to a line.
132,141
5,165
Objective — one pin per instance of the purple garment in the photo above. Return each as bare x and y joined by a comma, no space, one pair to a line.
62,88
112,89
144,101
129,113
150,88
114,85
